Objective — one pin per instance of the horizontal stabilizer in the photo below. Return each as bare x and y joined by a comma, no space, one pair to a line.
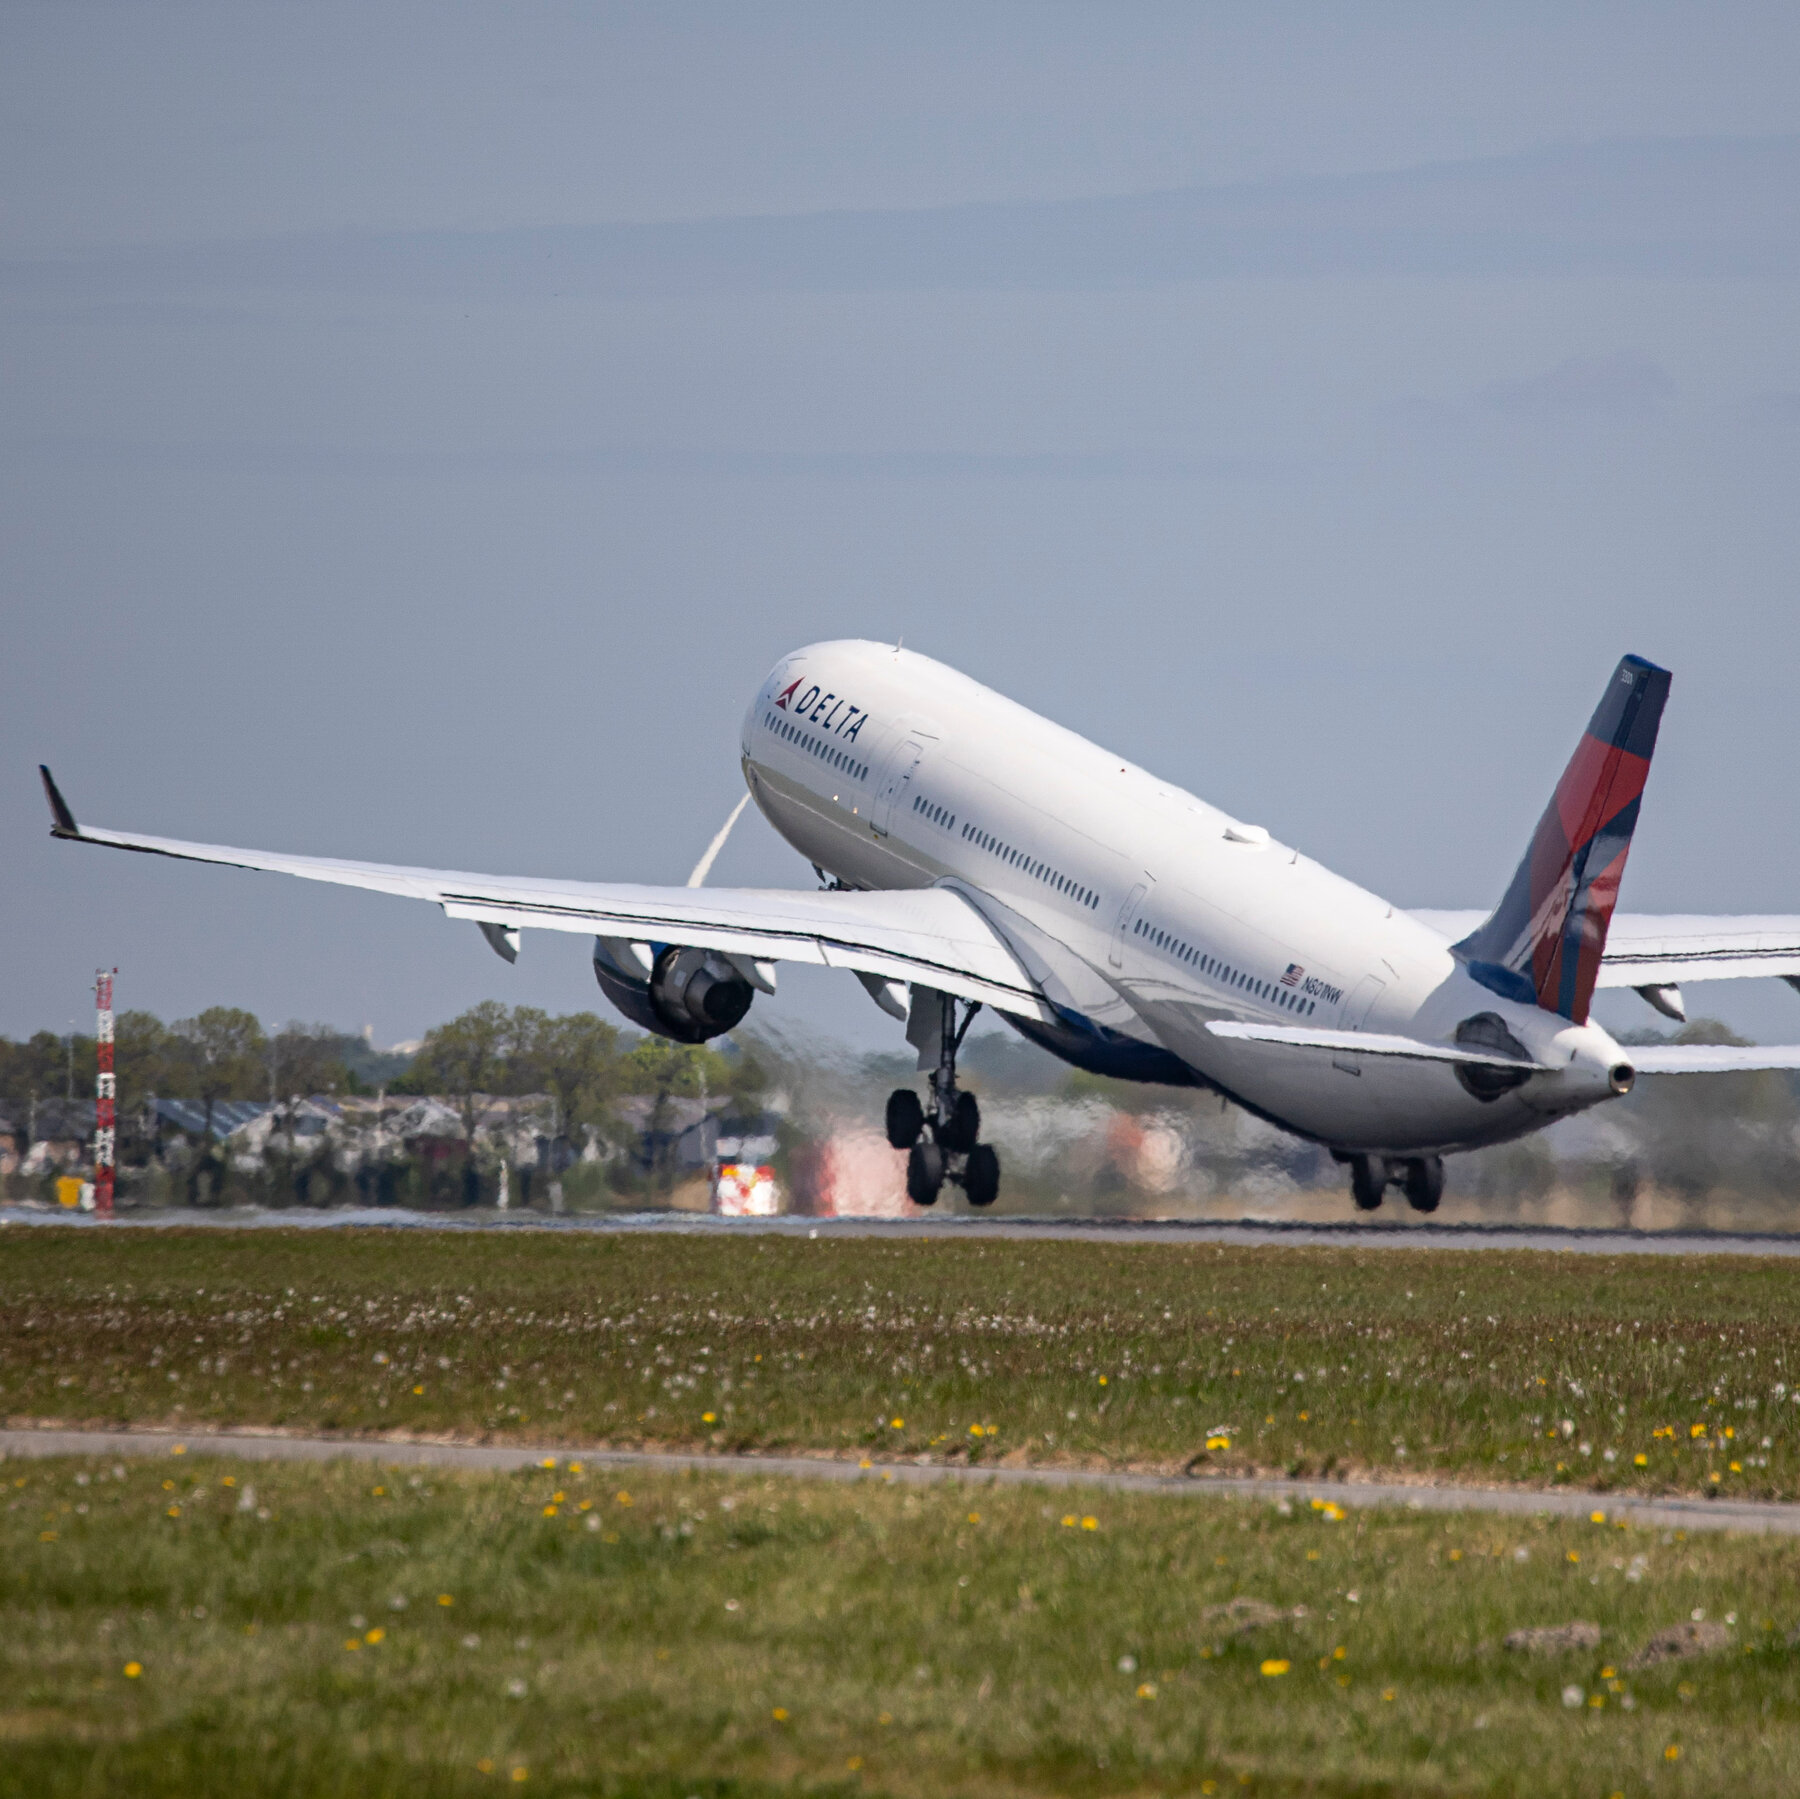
1367,1043
1713,1058
1650,949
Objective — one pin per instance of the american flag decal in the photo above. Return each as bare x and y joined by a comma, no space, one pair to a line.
1292,977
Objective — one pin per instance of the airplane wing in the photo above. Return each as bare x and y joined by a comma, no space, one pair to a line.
1368,1043
1647,949
931,936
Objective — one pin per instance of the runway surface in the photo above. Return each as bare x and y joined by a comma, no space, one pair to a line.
1767,1517
1352,1233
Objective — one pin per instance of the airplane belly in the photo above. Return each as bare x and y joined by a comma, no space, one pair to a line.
1386,1103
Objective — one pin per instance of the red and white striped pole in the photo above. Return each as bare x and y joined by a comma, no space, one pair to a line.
105,1096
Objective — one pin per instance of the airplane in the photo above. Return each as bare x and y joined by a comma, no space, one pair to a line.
972,853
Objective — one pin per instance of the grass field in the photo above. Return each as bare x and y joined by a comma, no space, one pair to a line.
189,1627
1639,1373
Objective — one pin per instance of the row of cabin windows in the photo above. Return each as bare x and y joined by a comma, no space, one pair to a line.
826,752
1017,858
939,815
1223,972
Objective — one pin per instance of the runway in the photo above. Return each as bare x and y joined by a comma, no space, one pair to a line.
1245,1232
1754,1516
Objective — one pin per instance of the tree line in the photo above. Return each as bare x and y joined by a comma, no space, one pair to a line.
579,1060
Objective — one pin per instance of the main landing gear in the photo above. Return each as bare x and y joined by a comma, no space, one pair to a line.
943,1144
1422,1177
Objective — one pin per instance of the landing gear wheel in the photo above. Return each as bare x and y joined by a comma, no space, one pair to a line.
1368,1181
960,1135
981,1175
1424,1182
924,1172
905,1118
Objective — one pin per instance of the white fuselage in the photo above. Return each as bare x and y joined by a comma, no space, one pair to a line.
1145,912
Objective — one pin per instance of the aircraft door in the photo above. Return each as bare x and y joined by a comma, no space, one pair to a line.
895,783
1127,912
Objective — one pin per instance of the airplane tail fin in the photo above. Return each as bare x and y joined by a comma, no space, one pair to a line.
1543,944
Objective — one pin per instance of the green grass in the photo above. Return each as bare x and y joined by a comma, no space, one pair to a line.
742,1636
1313,1361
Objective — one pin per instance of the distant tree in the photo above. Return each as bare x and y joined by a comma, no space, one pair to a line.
220,1053
144,1057
467,1056
576,1059
308,1059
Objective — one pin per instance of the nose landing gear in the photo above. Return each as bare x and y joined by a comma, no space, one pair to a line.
1422,1178
943,1142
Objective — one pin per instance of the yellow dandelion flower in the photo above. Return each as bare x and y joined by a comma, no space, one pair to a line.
1456,1555
446,1599
378,1492
549,1511
896,1424
1338,1654
1596,1517
1737,1468
1714,1477
1696,1430
853,1763
885,1718
1574,1555
485,1765
179,1449
352,1643
230,1480
175,1510
1672,1753
576,1468
549,1461
1090,1523
1069,1520
49,1536
374,1636
622,1498
521,1774
779,1714
133,1670
974,1517
1641,1460
1147,1690
417,1391
1387,1695
1275,1666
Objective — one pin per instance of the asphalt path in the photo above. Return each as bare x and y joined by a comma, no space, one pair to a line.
1766,1517
1357,1233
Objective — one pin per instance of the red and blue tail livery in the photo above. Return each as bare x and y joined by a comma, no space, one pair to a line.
1544,942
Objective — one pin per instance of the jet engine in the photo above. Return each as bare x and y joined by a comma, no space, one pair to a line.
683,993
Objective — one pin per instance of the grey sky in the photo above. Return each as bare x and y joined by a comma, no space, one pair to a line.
422,428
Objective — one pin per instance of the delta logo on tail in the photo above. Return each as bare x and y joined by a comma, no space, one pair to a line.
1544,942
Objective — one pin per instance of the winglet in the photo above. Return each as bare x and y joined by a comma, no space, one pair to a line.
65,825
1544,942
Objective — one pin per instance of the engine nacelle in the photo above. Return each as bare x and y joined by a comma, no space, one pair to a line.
683,993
